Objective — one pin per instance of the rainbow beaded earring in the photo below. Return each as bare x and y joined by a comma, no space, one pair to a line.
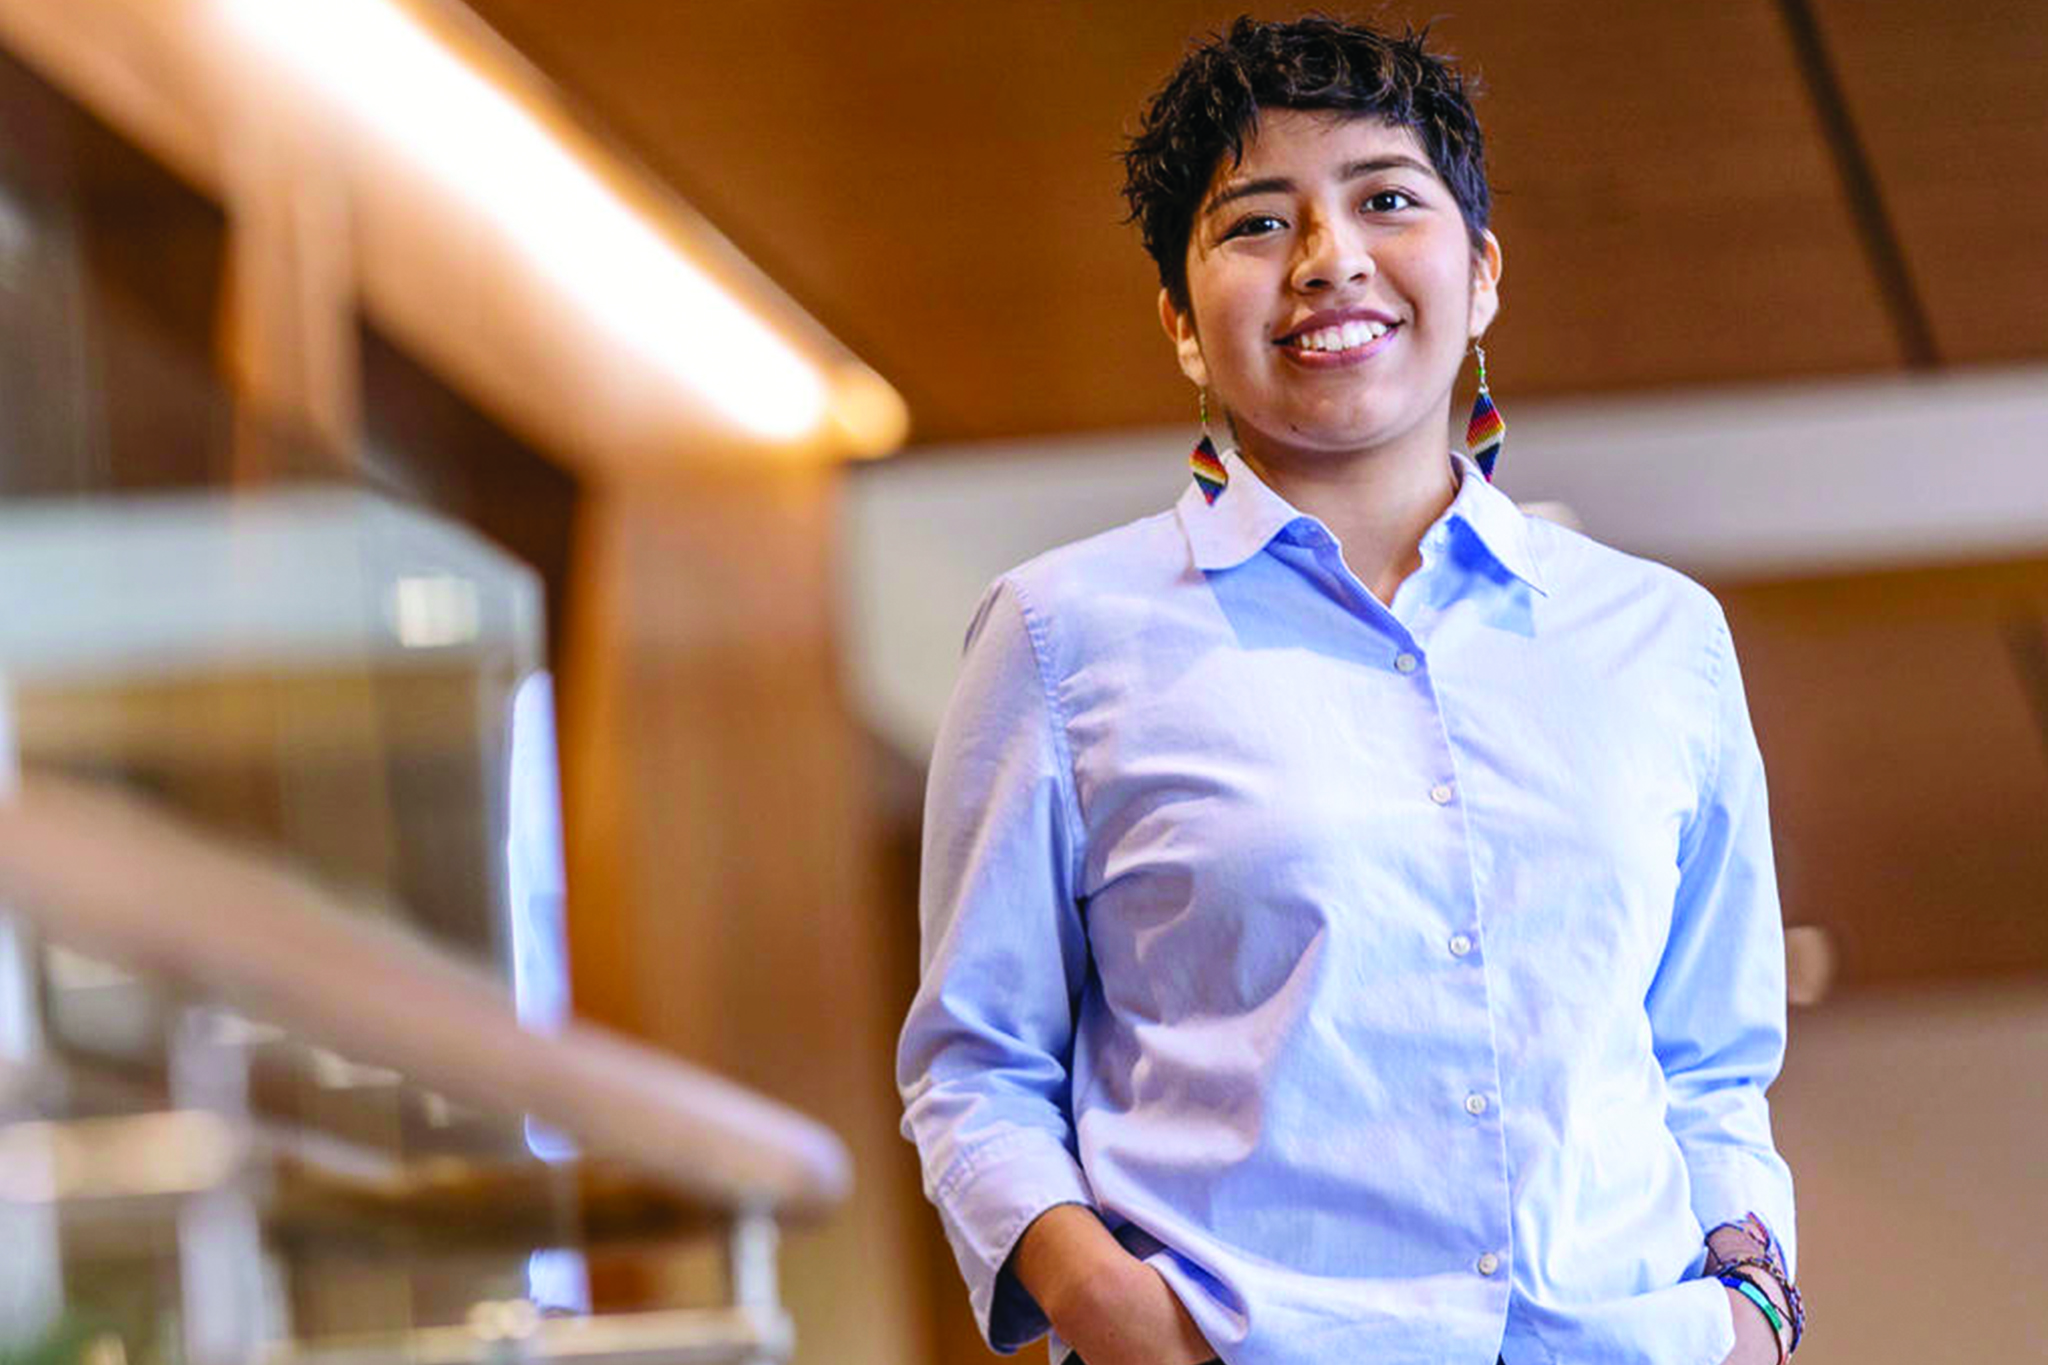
1210,475
1486,431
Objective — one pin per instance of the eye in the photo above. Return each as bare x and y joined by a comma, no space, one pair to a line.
1389,201
1254,225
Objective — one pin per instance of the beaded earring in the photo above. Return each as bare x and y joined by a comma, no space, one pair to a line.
1485,432
1210,475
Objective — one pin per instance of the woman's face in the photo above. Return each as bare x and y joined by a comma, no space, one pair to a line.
1333,289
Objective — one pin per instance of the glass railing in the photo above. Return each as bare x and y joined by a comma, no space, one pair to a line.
286,1063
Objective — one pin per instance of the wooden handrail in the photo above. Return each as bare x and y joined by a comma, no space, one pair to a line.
100,870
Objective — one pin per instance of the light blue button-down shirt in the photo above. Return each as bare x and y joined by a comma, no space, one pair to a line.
1402,981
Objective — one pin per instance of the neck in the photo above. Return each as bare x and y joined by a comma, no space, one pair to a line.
1377,502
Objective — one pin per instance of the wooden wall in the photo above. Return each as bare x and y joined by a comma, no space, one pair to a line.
727,899
1904,722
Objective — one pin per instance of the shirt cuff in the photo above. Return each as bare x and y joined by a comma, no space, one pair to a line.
1727,1189
985,1204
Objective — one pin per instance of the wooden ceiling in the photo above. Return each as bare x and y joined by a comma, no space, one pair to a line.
1687,194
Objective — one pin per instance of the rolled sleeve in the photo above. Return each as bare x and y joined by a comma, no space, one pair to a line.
1717,1005
983,1059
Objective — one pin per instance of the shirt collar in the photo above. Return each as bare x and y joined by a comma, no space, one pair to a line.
1247,515
1500,525
1241,522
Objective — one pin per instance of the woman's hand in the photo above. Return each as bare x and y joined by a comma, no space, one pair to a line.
1111,1307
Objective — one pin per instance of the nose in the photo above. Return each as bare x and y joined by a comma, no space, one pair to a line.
1332,252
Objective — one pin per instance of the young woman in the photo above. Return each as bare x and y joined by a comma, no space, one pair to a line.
1349,923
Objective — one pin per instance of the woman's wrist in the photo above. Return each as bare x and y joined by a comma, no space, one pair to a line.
1067,1259
1760,1337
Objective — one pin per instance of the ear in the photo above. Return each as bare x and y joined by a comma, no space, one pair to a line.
1485,286
1187,347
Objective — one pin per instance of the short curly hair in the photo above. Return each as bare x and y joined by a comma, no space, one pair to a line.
1211,104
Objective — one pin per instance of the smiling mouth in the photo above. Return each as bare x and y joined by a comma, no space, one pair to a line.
1348,336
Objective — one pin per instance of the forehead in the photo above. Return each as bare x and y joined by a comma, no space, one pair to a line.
1298,144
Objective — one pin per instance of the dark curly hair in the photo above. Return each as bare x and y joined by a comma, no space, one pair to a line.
1208,107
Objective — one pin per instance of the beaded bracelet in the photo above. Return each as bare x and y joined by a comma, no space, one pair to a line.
1742,1285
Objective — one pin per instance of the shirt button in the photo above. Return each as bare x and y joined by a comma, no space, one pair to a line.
1441,793
1487,1264
1460,945
1475,1104
1405,662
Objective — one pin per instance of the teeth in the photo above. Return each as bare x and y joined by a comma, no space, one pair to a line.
1341,338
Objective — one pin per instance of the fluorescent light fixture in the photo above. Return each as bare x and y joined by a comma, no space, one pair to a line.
393,78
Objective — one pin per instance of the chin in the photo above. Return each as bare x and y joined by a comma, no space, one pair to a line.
1334,438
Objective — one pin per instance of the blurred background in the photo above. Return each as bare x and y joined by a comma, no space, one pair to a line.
492,496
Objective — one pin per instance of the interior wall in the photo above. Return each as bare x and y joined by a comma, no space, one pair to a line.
1912,1121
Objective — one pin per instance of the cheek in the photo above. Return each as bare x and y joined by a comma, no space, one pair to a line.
1449,283
1228,292
1231,345
1214,309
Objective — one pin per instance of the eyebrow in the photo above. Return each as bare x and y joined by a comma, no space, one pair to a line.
1353,170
